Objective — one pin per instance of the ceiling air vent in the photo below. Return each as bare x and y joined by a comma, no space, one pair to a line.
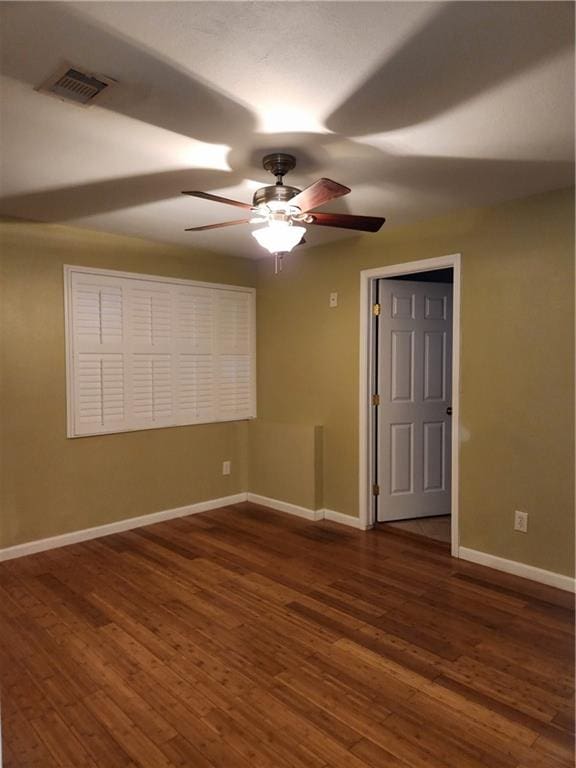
71,84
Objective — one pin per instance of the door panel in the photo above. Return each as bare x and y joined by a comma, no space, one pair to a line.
414,383
434,365
434,450
401,458
402,366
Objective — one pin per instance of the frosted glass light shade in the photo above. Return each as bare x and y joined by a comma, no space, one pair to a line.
279,236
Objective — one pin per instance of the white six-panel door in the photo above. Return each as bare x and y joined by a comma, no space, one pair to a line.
414,377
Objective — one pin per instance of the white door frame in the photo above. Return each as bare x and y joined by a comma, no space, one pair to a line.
367,278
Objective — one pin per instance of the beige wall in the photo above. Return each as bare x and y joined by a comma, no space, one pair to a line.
52,485
517,364
516,380
285,462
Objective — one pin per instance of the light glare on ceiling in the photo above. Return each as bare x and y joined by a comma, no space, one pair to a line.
200,154
281,118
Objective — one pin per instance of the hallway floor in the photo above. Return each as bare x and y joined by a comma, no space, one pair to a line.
437,528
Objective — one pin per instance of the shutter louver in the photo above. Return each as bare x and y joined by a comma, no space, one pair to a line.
98,313
196,387
195,335
235,385
146,352
100,390
151,316
152,388
98,360
234,324
235,364
195,313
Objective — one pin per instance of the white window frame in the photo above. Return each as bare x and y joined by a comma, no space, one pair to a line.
69,271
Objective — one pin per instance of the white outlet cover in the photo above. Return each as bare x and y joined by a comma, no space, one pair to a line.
226,467
333,299
521,521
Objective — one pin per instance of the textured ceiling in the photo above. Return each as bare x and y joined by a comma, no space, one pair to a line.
421,108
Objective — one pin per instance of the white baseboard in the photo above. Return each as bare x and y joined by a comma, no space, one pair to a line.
339,517
74,537
285,506
474,556
40,545
308,514
550,578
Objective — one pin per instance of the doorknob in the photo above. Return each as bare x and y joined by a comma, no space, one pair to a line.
449,410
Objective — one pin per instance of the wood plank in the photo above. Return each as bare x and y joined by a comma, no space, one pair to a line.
244,637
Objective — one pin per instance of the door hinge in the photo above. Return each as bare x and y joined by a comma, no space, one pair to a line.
375,309
375,490
375,399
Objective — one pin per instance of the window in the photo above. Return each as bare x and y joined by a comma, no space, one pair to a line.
146,352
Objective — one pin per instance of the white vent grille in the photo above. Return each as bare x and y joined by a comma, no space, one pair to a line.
71,84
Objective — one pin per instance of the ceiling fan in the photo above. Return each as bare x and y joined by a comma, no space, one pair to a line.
283,209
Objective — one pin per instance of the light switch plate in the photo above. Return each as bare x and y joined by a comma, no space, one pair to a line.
521,521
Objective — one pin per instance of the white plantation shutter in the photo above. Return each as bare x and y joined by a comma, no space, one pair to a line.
235,359
196,364
152,389
147,352
150,332
150,314
98,307
98,312
101,392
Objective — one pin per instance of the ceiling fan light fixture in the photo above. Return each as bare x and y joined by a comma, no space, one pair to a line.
282,209
279,207
279,236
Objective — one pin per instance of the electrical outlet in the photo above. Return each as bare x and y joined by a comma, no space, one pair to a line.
521,521
226,467
333,299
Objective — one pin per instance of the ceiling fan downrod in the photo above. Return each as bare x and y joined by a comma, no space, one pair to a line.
279,164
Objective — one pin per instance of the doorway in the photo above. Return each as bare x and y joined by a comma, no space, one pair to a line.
409,411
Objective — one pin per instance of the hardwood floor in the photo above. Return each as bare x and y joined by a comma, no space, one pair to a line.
243,637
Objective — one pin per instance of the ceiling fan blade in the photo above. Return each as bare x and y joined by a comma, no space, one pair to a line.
348,221
318,193
218,199
217,226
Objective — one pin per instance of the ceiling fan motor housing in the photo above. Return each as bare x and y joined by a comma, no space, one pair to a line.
278,163
276,193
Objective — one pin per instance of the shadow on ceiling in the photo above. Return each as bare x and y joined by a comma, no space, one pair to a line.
466,48
80,200
151,89
462,51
